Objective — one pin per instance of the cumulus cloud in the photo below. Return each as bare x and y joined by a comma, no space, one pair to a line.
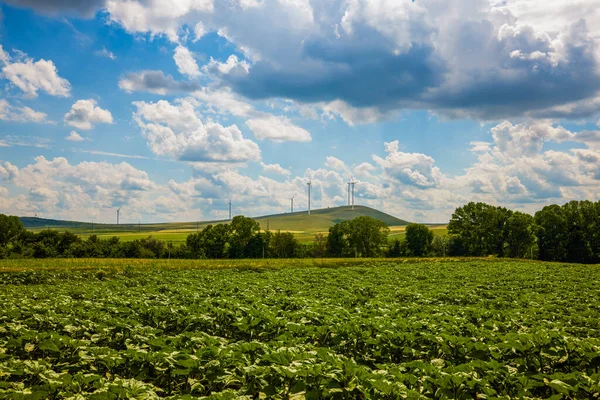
85,113
10,112
409,168
335,164
155,82
275,169
155,17
74,137
277,129
175,130
185,62
31,77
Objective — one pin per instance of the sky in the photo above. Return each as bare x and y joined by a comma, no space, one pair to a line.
169,109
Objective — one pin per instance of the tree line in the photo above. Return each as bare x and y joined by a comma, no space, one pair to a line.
570,233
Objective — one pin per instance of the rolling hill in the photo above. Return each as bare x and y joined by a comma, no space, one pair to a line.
319,221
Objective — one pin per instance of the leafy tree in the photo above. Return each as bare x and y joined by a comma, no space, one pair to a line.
215,238
520,235
441,245
11,229
367,235
397,249
258,245
284,244
319,245
418,239
552,233
337,244
480,228
242,229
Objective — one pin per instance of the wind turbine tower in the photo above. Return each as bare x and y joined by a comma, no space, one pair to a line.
292,200
230,209
352,184
348,192
118,213
309,183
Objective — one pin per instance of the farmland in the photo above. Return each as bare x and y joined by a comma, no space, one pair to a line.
108,329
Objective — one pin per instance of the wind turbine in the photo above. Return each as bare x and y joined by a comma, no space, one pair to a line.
118,212
349,190
352,182
230,208
292,200
309,183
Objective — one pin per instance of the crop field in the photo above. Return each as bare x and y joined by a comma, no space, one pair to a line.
314,329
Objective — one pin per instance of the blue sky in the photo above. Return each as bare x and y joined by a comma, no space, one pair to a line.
168,110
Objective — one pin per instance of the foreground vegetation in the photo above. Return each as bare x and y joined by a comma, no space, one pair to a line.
385,330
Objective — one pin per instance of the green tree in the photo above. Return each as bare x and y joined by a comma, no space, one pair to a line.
319,245
418,239
11,229
242,229
258,245
283,244
520,236
337,245
366,235
552,233
480,228
395,250
440,245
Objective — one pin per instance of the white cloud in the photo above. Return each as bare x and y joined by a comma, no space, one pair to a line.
199,31
409,168
277,129
31,77
85,113
275,169
74,137
336,164
9,112
176,131
224,101
186,64
105,53
156,17
233,66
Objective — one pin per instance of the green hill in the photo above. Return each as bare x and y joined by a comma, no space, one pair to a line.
303,225
322,219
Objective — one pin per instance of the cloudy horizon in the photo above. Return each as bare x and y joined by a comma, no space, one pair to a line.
170,110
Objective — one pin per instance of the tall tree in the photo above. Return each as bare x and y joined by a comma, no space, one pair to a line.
520,235
418,239
337,244
283,244
480,227
11,229
242,229
367,235
552,233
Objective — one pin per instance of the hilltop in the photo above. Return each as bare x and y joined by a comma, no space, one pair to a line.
322,219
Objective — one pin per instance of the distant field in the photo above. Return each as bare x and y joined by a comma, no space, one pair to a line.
299,329
399,232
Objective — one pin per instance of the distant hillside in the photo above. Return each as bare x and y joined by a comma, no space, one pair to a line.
319,221
322,219
35,222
